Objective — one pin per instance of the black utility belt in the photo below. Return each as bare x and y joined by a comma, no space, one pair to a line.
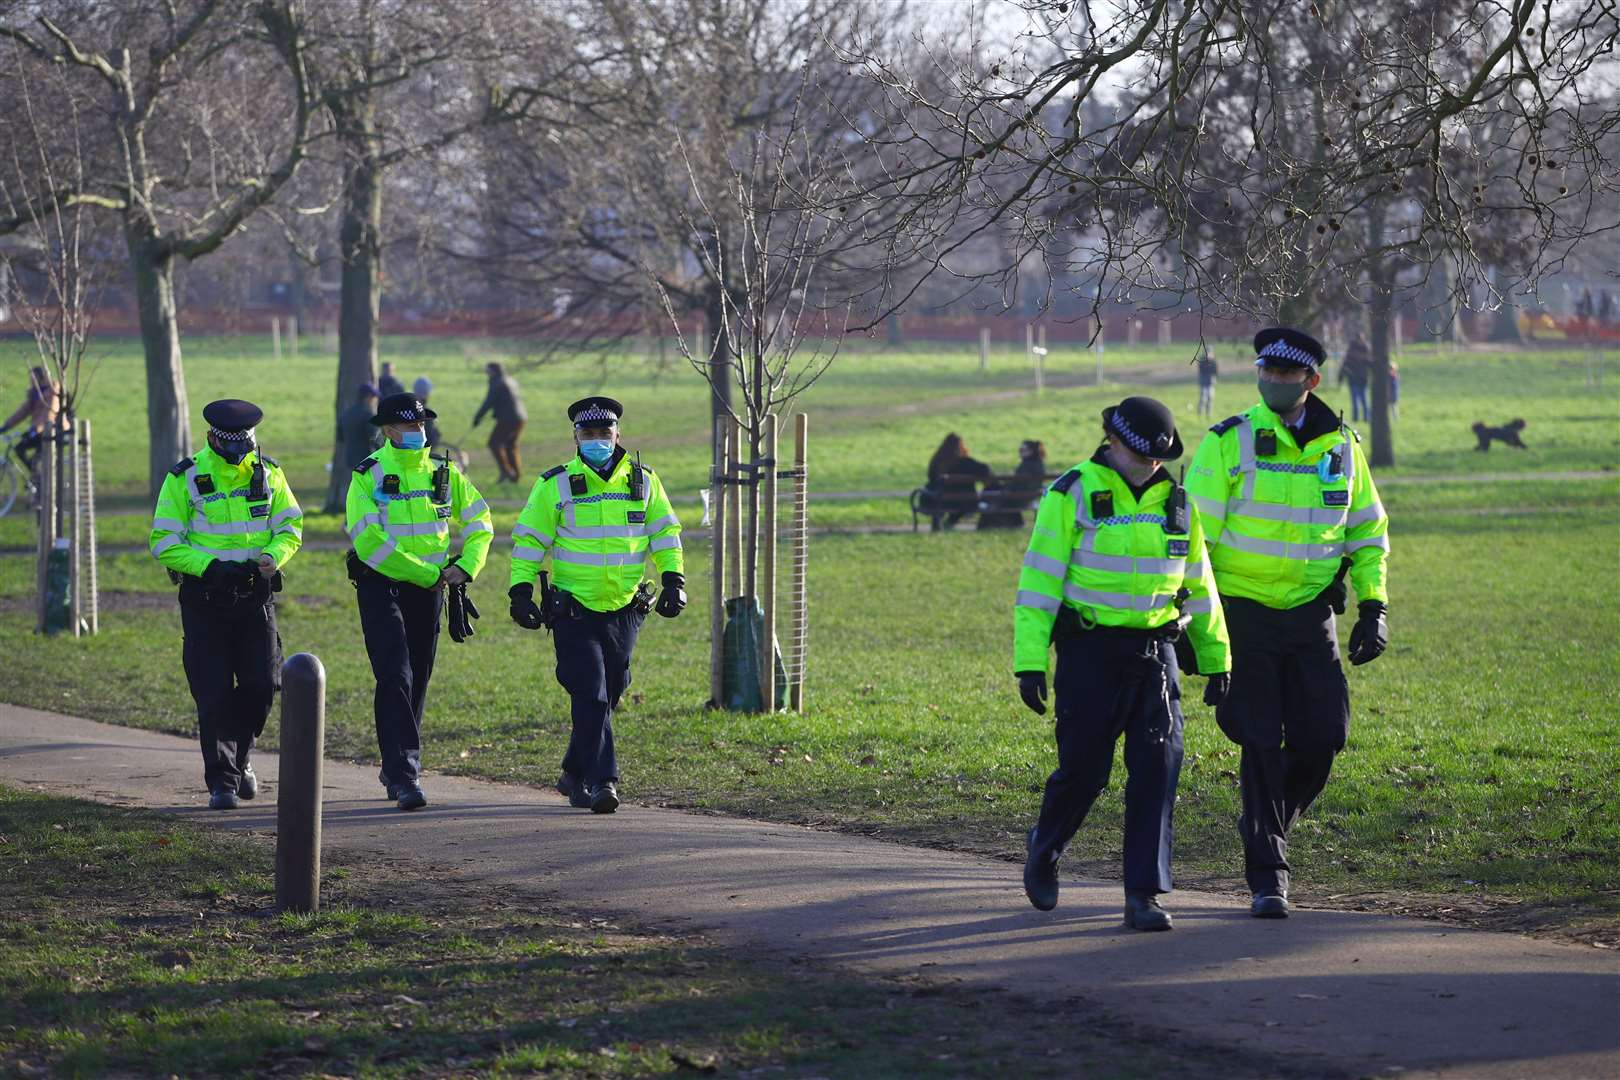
562,604
1069,625
360,573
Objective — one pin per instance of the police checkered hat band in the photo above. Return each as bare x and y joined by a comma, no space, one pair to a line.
594,415
1282,350
411,412
1130,438
231,436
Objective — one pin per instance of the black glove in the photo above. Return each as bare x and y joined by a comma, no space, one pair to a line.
1337,594
462,612
1032,688
1370,636
673,599
525,612
1217,688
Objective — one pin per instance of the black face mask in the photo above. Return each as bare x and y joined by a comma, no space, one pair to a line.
234,452
1282,398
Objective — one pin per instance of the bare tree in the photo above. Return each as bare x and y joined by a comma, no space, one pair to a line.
205,114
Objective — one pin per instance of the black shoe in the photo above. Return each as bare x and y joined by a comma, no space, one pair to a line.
411,797
248,786
570,786
1142,912
223,799
1269,906
603,797
1040,878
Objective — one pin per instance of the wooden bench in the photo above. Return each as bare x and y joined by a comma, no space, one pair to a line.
926,502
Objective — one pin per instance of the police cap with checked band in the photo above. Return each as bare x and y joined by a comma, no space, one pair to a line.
595,412
1146,426
232,419
402,409
1283,346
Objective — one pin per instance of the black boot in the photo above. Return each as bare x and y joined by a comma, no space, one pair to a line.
223,799
569,786
1142,912
1269,906
248,786
604,797
1040,877
411,796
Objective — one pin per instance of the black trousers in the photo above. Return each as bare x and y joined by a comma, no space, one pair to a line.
1289,709
232,657
401,627
593,665
1093,669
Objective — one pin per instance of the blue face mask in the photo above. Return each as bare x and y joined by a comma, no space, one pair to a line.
596,451
412,440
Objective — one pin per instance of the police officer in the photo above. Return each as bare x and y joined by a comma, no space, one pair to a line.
405,509
1114,572
225,524
1289,508
600,515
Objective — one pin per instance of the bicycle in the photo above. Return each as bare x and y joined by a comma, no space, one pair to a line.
15,478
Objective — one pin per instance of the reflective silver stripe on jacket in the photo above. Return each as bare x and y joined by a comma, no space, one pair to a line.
169,524
227,528
1031,599
1202,605
664,543
475,509
519,531
661,524
476,527
1045,564
599,558
229,554
292,513
600,532
1371,541
1298,515
380,556
1117,601
361,522
1280,548
418,528
1375,512
165,544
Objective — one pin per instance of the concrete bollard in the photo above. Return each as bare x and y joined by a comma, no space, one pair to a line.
298,796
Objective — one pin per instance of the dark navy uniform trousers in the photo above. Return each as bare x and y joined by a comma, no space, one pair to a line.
593,665
401,627
1093,667
1289,709
232,657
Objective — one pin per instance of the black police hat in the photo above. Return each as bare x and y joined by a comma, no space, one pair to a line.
232,419
595,410
1283,346
402,409
1145,426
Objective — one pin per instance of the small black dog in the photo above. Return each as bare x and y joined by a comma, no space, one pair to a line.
1508,434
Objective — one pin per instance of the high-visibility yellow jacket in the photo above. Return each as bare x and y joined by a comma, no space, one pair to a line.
401,531
1278,524
598,532
1098,549
203,513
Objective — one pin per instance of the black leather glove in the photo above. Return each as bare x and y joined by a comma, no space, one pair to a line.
1337,594
525,612
1370,636
462,613
1032,688
1217,688
672,601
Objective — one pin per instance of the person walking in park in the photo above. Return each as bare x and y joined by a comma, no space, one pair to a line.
1115,564
41,408
422,388
1208,372
387,382
600,516
1356,368
225,525
1289,508
405,510
356,436
504,401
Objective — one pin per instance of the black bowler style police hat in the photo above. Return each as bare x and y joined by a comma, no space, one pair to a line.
232,419
1145,426
1283,346
402,409
595,411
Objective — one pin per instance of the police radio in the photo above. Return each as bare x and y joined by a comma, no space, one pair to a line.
638,480
258,488
1175,506
441,480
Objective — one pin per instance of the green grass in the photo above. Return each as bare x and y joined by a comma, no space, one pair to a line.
135,944
1481,756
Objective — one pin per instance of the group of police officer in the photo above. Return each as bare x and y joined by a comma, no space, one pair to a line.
1239,574
226,524
1130,576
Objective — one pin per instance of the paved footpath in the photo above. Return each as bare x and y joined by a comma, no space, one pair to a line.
1343,992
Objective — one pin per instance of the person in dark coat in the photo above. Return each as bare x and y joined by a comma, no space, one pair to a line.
1356,368
422,387
953,477
356,436
504,401
387,382
1002,507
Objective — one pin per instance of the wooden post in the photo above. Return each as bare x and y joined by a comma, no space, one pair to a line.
1164,332
734,509
1040,359
1133,330
767,568
1029,342
298,798
292,334
719,488
94,594
801,558
75,496
275,336
984,350
47,519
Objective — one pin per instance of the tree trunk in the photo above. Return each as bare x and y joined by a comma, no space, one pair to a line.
1379,319
168,415
360,301
1505,326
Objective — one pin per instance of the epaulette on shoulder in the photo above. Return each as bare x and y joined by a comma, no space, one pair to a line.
268,460
1354,434
556,470
1063,483
1228,424
365,466
179,468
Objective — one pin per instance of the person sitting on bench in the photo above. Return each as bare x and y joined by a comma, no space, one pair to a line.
1002,506
953,481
